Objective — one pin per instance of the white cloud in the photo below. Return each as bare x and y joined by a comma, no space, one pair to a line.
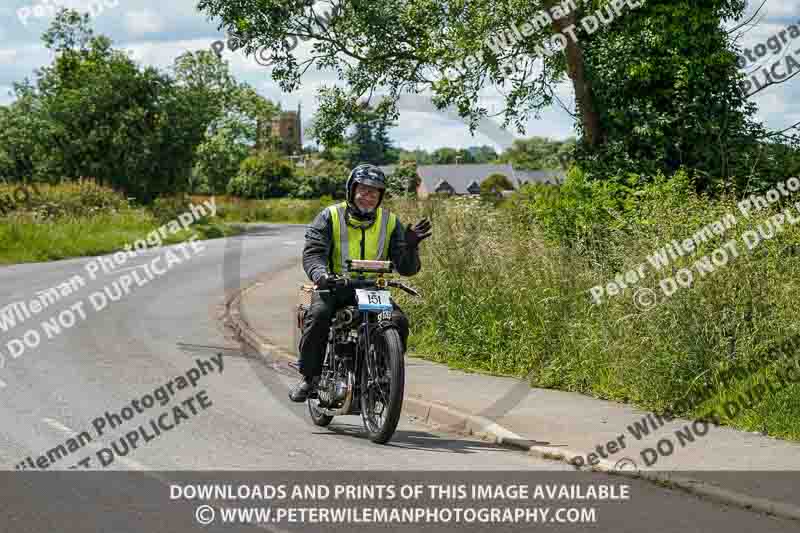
8,56
781,8
143,22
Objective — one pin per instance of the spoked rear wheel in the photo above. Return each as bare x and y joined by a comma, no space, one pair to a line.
382,384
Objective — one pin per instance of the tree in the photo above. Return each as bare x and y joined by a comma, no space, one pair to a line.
24,137
325,178
444,156
669,85
108,119
416,45
421,157
482,154
232,112
404,180
455,52
263,175
369,142
218,160
93,112
495,183
536,153
209,81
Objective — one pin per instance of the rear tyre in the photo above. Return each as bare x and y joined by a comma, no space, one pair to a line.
382,393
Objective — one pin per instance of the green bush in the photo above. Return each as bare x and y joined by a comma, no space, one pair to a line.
263,175
404,181
496,183
50,202
323,179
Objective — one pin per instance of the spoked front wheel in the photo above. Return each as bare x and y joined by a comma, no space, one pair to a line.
382,384
318,417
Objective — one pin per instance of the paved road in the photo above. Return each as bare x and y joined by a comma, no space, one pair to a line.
157,333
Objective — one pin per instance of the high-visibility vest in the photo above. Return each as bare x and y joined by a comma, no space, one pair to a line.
353,242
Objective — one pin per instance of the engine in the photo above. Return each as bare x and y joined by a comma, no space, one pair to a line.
333,385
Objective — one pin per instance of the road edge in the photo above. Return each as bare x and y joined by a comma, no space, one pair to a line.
448,418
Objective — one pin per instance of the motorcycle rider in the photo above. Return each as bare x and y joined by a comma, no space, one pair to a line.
354,229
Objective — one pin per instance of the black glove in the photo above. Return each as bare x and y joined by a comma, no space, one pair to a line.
323,282
418,233
327,282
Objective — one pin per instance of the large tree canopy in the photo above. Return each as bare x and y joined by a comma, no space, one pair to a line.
652,79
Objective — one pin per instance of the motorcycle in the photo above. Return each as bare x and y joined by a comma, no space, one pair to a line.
363,371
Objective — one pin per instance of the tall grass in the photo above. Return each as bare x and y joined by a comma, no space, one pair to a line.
24,240
507,291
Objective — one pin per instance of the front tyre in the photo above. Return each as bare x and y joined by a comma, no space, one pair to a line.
319,418
382,384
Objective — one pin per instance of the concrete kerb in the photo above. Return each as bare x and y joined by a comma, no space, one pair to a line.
448,418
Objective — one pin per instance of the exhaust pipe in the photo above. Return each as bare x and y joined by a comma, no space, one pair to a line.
348,399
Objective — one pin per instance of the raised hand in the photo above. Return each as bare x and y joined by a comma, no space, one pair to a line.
418,233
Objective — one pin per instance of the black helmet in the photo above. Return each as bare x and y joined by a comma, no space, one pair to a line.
371,176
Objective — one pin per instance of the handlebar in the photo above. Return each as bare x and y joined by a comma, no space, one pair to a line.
339,282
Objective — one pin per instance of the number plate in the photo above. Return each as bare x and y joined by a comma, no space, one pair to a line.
373,300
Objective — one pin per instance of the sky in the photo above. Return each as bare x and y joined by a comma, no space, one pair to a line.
157,31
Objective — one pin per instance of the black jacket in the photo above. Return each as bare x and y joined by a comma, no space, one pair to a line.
319,247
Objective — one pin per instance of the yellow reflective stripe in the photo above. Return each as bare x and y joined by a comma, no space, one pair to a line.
389,231
343,239
337,223
382,234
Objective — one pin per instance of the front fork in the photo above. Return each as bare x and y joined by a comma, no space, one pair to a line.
367,327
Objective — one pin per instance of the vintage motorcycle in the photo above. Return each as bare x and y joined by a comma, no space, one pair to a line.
363,371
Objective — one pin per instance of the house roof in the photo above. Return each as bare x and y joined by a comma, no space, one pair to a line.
460,177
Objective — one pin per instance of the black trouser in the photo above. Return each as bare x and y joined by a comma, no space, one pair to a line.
317,323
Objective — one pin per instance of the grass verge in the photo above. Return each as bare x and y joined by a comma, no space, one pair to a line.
506,291
27,241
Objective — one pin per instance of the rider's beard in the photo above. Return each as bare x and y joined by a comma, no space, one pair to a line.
366,210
